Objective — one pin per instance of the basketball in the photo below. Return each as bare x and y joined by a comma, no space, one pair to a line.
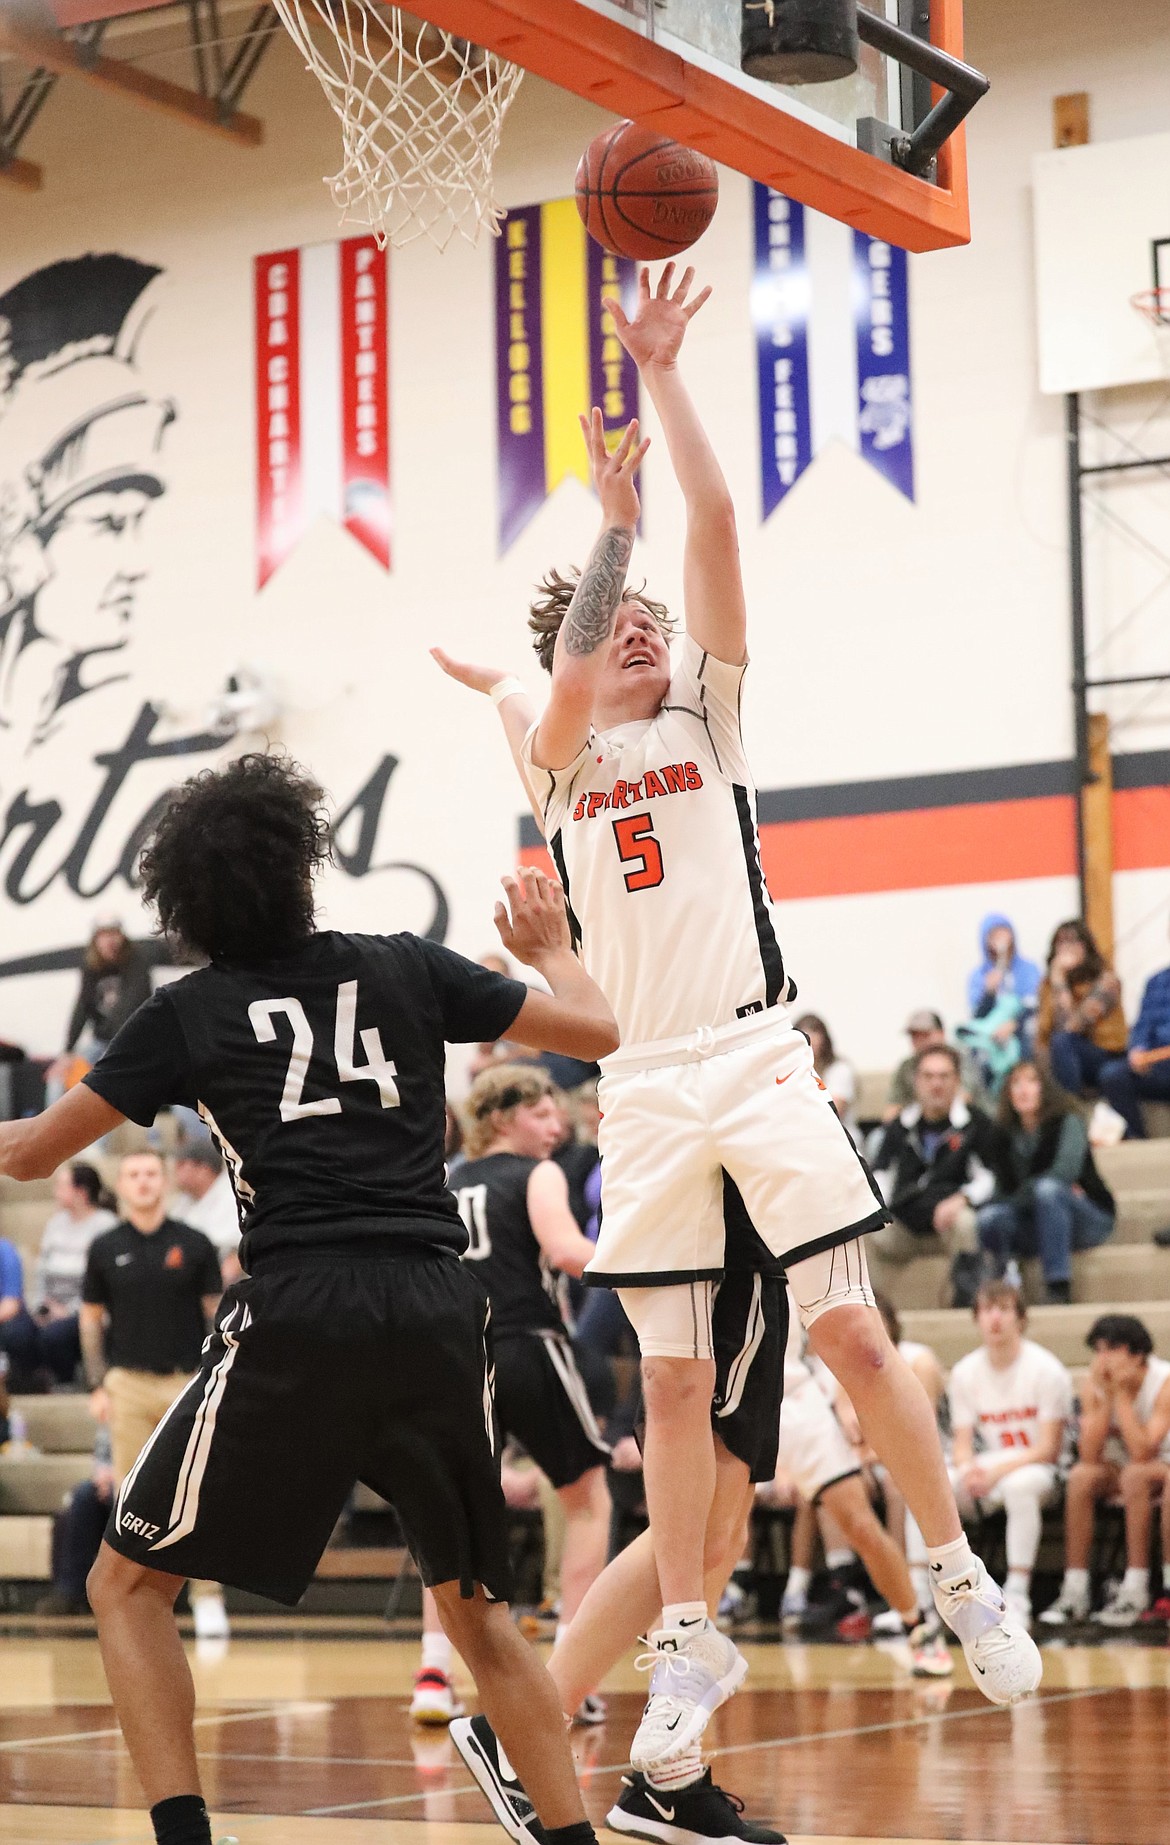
642,195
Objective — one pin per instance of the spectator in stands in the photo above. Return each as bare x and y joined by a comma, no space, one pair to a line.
1010,1405
1143,1074
148,1299
925,1030
1079,1025
1124,1449
934,1165
19,1337
835,1073
1049,1197
55,1296
1001,997
115,981
77,1533
207,1202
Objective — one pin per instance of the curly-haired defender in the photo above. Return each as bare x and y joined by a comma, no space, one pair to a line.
316,1058
231,864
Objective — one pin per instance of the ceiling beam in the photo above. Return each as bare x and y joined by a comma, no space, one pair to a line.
49,51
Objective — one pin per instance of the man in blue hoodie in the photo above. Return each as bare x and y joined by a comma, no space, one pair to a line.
1001,995
1143,1074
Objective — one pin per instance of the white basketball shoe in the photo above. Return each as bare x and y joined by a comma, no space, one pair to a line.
693,1674
1003,1658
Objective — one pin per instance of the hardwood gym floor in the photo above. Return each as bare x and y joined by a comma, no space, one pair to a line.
304,1739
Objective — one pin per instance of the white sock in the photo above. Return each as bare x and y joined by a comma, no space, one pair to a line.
840,1557
798,1580
920,1577
1136,1585
1076,1582
1021,1581
681,1771
436,1653
690,1615
1166,1577
949,1561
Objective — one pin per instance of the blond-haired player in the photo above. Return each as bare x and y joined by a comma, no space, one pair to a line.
637,769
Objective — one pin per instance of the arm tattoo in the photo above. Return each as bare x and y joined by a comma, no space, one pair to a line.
590,616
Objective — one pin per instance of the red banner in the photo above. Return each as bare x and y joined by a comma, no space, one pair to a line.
279,513
365,397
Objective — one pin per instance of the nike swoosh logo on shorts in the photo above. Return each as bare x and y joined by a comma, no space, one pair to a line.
666,1812
784,1079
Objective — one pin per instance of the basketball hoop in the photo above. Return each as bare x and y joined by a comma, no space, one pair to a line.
1154,305
421,113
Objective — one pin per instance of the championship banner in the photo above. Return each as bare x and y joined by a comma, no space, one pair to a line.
556,354
780,316
883,360
831,313
322,397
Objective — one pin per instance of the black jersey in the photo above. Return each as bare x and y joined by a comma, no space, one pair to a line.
492,1195
320,1074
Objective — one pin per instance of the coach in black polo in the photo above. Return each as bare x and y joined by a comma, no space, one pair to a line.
148,1300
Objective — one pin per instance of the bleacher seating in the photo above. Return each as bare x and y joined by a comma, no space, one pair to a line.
1127,1274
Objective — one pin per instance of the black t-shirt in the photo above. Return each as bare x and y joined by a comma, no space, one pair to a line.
492,1195
152,1285
321,1076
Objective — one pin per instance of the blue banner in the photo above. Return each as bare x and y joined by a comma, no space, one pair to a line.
780,304
884,410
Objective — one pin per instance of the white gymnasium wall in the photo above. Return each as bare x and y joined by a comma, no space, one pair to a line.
887,640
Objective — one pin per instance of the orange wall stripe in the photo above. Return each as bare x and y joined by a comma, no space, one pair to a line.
930,847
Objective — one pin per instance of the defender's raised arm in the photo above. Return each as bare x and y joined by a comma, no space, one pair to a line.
712,584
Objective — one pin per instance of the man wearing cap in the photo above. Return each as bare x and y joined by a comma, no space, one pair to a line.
925,1028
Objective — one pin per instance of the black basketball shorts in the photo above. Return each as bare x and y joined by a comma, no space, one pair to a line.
542,1403
749,1328
327,1369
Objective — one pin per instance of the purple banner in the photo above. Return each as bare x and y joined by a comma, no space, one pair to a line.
884,408
520,393
613,376
780,303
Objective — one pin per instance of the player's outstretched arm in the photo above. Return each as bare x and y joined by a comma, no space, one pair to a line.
516,709
575,1017
716,615
583,641
35,1148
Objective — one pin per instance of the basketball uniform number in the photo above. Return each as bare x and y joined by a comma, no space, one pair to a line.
377,1068
636,844
472,1203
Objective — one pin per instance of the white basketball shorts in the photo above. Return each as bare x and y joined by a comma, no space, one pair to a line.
813,1449
746,1100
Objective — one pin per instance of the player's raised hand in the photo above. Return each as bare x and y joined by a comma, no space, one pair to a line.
614,473
534,922
655,333
475,678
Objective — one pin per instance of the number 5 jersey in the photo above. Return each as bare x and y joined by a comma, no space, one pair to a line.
653,831
320,1075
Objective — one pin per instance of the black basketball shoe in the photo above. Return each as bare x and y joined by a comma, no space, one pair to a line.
476,1742
701,1814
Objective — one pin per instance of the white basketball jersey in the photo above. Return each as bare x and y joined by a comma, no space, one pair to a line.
1157,1372
653,831
1006,1407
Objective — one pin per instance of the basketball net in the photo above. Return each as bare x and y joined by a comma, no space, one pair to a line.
1154,305
421,113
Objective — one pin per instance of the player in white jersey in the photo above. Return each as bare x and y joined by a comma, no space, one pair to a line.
1124,1450
637,769
1010,1403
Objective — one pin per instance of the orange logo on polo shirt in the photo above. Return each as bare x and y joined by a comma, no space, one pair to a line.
174,1256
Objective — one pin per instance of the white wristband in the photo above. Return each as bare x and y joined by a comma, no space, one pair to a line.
505,688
